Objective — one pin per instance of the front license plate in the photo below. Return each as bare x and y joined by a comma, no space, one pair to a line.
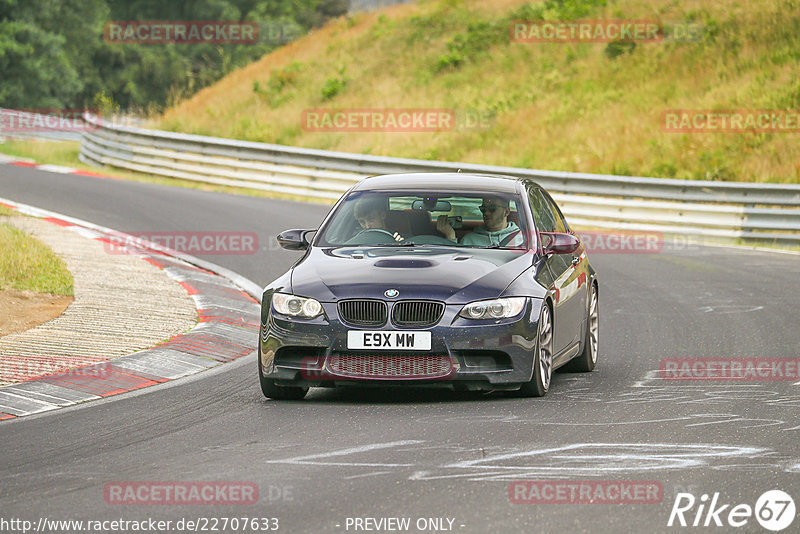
383,340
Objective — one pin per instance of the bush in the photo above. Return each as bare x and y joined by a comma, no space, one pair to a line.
280,80
333,86
615,49
449,60
478,38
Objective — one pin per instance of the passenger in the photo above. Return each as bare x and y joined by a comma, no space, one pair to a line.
496,226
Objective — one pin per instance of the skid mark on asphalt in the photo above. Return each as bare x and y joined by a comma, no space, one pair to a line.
729,308
312,458
652,389
364,475
652,394
691,420
734,418
564,461
593,459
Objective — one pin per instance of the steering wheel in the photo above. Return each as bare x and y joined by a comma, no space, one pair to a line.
372,236
367,230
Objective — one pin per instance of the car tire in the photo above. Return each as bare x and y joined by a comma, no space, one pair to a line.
542,374
274,391
586,360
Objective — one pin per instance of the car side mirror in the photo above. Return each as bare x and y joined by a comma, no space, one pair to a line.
294,239
559,243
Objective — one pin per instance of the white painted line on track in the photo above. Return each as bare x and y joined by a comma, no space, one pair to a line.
305,460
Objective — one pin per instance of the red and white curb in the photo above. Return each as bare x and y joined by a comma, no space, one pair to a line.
228,321
23,162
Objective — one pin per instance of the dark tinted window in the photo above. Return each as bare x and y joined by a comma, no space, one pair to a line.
561,222
545,214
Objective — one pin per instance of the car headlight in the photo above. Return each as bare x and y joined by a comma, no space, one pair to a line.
493,309
295,306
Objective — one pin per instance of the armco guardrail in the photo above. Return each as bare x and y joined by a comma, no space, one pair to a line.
728,210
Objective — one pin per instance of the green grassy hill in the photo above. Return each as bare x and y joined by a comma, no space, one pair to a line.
591,107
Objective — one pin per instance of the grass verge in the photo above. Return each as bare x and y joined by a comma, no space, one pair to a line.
27,264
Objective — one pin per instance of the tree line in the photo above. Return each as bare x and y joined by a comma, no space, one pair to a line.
53,53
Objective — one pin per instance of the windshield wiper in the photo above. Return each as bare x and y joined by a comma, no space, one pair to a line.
395,244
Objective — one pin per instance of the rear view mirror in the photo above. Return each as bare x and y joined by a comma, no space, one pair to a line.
431,205
559,243
294,239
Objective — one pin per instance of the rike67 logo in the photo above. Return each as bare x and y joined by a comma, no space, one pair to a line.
774,510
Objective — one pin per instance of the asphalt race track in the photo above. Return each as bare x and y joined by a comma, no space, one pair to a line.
434,454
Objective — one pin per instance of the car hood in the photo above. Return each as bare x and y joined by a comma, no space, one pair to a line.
450,274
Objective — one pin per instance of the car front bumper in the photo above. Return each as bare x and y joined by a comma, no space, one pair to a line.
464,353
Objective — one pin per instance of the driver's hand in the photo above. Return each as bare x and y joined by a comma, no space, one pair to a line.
398,237
445,228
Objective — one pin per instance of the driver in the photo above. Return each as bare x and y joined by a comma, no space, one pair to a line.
495,229
371,214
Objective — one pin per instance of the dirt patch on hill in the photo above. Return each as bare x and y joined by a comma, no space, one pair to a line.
21,310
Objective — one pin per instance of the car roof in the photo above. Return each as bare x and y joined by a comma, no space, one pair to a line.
440,181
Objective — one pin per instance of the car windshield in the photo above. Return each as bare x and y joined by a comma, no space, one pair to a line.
393,219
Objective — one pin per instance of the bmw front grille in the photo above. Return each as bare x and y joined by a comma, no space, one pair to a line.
363,312
417,313
405,313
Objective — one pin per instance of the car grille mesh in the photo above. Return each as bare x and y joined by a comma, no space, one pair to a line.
411,313
363,312
390,366
417,313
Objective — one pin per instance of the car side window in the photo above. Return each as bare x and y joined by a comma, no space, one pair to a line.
558,217
543,215
536,210
550,217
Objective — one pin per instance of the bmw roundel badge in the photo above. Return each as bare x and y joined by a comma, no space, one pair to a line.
391,293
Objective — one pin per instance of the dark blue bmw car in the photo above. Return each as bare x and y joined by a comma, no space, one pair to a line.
465,281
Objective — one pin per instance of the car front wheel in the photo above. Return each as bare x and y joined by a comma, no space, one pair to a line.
273,391
543,358
586,360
